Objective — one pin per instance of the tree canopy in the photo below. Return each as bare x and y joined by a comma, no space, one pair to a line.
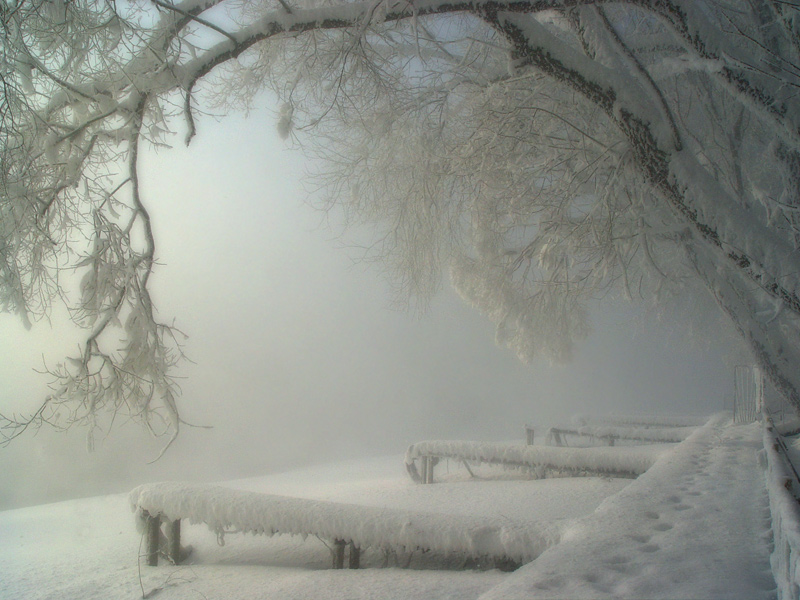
544,153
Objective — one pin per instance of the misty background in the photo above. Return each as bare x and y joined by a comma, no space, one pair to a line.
298,357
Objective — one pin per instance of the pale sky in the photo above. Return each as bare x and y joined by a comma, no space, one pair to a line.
298,358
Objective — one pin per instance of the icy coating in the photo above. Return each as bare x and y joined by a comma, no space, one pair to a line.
228,510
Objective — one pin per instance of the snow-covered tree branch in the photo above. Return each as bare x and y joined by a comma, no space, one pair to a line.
542,152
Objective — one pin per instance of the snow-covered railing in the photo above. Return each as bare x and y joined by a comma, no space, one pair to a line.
544,461
223,509
785,510
610,434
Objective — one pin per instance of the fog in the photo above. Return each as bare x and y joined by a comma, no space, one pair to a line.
298,357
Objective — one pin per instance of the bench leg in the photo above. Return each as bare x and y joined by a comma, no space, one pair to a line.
153,527
338,554
427,469
174,541
355,556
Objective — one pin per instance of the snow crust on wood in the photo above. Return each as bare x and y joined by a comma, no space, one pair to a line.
785,511
645,421
229,510
615,461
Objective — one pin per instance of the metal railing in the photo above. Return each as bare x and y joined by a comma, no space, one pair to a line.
749,393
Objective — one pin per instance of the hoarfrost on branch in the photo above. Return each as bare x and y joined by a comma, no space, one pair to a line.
544,153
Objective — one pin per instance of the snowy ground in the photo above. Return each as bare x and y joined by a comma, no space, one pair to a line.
696,525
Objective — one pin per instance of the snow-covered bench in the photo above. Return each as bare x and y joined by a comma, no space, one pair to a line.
624,461
642,421
223,509
610,433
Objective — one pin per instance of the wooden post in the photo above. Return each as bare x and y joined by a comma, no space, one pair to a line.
528,435
355,556
338,554
174,541
153,525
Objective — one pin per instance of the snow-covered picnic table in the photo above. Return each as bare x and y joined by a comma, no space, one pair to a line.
611,433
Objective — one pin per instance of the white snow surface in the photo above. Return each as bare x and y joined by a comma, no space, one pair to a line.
88,548
695,525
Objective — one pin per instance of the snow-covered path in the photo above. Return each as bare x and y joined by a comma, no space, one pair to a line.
696,525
